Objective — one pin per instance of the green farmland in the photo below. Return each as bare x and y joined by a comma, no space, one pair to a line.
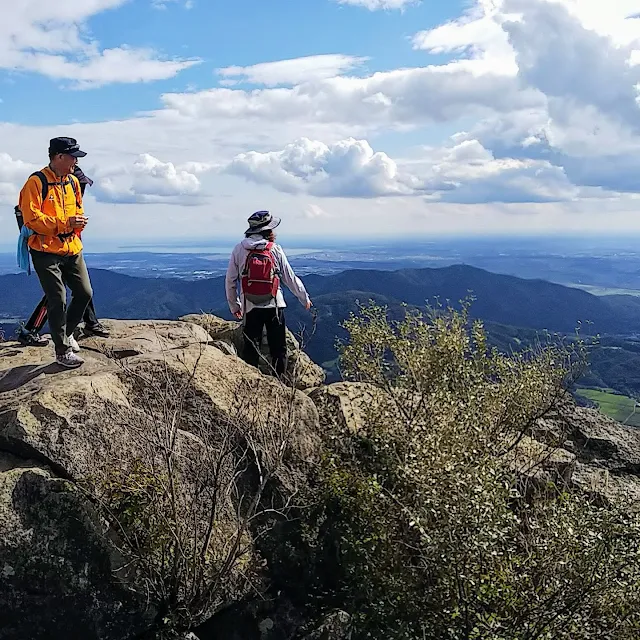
616,406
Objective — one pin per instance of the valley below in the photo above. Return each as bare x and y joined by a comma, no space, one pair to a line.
518,312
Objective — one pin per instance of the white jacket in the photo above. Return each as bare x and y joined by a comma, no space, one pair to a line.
234,275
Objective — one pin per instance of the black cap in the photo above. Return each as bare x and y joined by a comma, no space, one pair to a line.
69,146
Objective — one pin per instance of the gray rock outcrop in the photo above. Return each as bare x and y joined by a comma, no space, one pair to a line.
59,428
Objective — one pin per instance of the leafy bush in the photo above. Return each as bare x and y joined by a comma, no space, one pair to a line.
429,521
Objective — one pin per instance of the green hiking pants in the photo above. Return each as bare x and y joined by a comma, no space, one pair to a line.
55,274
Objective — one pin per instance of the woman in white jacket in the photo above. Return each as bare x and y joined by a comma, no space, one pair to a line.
256,315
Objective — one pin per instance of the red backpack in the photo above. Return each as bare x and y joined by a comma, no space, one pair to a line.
260,277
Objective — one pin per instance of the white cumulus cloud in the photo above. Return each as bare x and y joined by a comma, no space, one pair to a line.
349,168
464,173
50,39
377,5
13,174
289,72
476,38
581,57
148,180
568,62
469,173
400,98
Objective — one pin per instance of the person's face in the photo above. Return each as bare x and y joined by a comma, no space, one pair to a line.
64,163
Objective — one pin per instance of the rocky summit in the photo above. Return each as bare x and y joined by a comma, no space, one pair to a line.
65,572
57,557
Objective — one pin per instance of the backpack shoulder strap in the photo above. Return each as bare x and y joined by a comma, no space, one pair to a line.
44,183
245,266
75,184
274,257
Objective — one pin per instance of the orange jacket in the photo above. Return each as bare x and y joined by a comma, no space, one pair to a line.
49,219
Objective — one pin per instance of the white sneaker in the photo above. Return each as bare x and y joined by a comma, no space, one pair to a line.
73,343
69,360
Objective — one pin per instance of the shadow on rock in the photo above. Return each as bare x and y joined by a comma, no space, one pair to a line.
16,377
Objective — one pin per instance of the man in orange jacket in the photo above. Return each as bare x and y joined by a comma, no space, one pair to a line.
29,334
55,246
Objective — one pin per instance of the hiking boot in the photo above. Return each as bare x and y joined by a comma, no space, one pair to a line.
31,339
73,344
69,360
97,329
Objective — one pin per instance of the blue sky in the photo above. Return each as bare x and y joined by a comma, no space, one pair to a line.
221,34
345,117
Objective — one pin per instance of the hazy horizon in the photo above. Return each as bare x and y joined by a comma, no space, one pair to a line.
315,243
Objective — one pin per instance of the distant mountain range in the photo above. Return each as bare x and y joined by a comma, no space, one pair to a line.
536,304
514,308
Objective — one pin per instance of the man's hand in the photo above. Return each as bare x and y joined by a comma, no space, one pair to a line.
238,314
78,222
308,305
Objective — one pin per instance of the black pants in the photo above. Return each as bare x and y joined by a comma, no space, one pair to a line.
39,316
55,274
254,322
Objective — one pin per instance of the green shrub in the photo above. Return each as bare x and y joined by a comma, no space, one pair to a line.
426,525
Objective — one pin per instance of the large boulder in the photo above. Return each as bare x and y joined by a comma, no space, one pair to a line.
603,441
62,431
343,406
539,463
607,452
56,564
227,335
